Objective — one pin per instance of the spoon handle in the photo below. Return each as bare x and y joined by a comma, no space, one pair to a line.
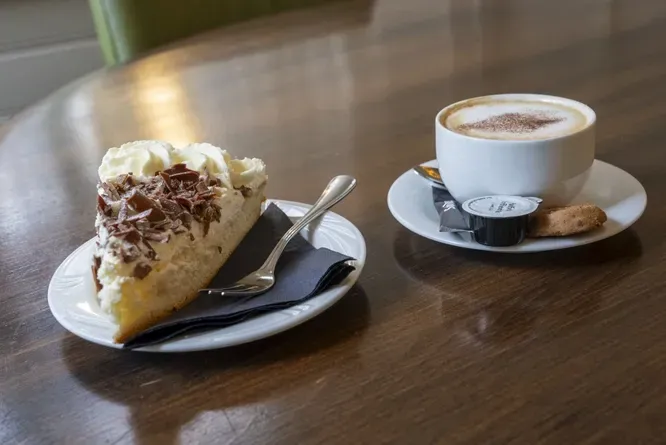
335,191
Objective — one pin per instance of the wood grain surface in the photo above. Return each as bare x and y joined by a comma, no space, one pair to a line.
435,344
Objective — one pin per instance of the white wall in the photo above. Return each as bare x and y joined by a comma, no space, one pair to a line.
44,44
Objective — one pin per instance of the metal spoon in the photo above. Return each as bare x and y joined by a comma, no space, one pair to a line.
431,174
262,279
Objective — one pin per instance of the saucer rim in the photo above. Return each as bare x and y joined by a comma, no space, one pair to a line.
534,245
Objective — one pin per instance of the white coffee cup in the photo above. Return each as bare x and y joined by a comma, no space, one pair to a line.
533,145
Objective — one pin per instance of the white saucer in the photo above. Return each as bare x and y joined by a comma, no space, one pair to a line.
73,302
618,193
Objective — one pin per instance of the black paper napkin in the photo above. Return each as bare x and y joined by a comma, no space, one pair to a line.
301,273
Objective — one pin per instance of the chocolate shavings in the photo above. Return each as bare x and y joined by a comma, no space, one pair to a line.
151,210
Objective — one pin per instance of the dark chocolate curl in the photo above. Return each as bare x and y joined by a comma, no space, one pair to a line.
140,203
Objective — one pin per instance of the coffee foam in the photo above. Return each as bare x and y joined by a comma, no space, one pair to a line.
514,119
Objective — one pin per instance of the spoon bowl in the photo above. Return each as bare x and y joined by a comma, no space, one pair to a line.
430,174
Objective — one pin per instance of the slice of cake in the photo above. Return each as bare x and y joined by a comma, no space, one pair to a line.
167,220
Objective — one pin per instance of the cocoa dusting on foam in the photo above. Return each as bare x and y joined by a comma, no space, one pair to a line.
512,123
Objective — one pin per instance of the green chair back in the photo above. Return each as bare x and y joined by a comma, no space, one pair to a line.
128,28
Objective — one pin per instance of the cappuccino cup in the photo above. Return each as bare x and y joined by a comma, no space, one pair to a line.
516,144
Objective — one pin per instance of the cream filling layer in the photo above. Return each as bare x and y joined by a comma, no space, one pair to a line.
181,252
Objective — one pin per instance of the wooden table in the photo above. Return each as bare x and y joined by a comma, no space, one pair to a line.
435,344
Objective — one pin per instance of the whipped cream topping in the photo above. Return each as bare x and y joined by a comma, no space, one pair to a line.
141,158
201,157
144,158
248,172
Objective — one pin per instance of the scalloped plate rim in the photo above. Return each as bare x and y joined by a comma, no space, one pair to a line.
70,313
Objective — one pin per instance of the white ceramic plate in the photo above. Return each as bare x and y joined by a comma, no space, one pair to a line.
621,196
72,296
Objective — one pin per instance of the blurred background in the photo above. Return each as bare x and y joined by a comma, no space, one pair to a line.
44,44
